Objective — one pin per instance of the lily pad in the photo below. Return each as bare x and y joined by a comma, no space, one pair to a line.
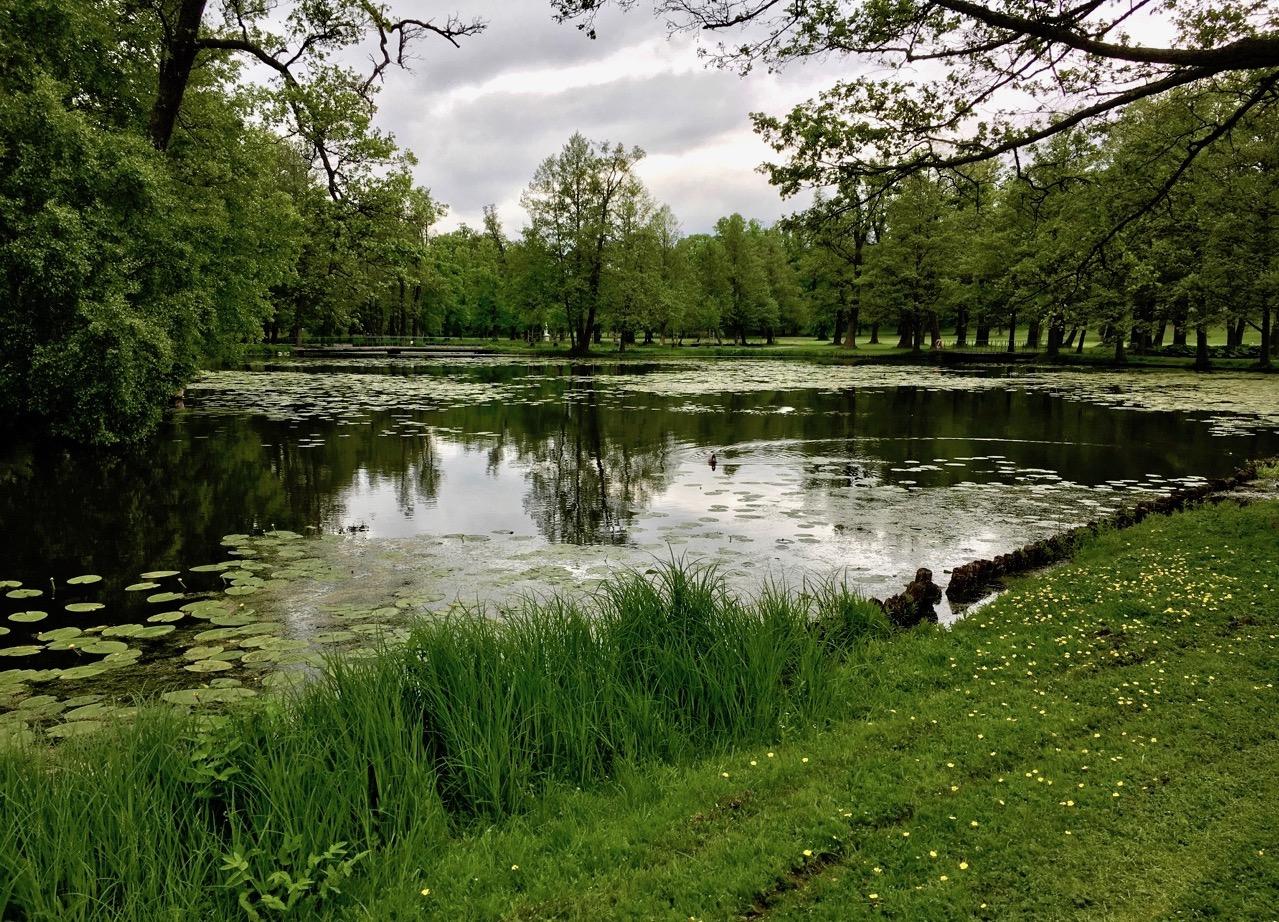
241,590
24,650
207,665
24,593
202,652
60,633
86,580
41,706
81,700
141,587
284,680
334,636
166,617
156,630
28,617
81,607
83,672
123,630
75,728
232,620
105,646
160,574
88,711
216,695
218,633
164,597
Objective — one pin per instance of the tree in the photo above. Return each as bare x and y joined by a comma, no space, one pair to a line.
845,226
910,258
959,72
575,203
328,105
122,268
749,304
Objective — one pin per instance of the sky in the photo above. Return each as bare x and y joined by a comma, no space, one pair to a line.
481,117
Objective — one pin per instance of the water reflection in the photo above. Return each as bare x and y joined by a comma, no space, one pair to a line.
878,479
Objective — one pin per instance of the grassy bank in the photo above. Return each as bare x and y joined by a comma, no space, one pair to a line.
1099,742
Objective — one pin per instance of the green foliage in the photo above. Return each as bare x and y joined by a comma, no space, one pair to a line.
294,884
127,260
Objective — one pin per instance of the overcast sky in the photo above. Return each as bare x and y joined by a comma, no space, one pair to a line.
480,118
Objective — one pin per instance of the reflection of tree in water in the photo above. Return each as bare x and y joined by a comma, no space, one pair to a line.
589,477
416,474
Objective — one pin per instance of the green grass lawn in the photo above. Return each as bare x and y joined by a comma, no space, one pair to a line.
1100,742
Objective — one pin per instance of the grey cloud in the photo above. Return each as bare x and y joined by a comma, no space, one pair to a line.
485,150
522,34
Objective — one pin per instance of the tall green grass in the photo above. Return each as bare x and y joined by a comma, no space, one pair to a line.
351,785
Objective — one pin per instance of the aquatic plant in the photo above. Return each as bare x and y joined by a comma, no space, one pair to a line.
276,802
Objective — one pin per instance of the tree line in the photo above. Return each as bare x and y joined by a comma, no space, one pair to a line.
160,206
599,257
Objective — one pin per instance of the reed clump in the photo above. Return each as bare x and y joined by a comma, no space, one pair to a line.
279,806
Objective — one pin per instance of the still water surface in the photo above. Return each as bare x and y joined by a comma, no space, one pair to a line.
478,479
877,477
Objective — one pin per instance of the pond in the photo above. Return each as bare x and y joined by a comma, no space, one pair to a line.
322,504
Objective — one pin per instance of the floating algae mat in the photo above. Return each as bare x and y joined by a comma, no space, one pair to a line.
304,508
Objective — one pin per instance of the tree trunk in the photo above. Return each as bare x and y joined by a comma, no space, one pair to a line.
1202,362
1179,332
839,327
1120,357
404,310
1234,333
874,333
916,331
905,333
1012,332
961,328
850,336
934,329
1056,331
982,339
1083,334
1070,338
855,311
1159,336
1265,335
177,57
1032,333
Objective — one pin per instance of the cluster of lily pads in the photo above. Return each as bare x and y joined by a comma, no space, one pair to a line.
73,676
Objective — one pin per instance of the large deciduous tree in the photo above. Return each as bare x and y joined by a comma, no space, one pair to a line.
577,203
